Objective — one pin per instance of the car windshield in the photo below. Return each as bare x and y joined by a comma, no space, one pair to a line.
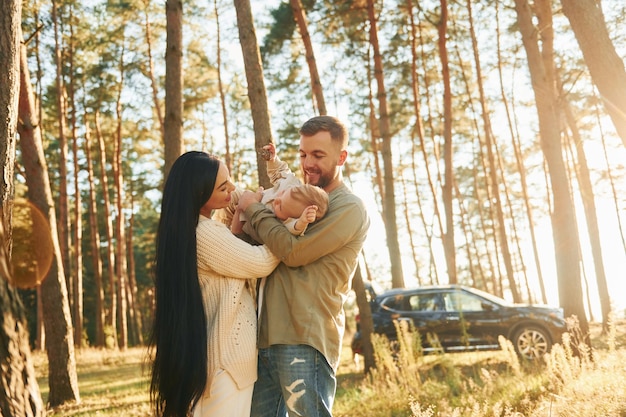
491,297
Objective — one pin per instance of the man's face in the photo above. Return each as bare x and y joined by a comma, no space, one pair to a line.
319,159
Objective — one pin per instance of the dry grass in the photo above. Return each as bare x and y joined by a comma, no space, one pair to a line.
111,383
478,384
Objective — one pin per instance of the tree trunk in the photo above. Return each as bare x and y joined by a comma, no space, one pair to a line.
563,219
108,222
605,65
64,221
420,132
448,184
77,277
591,214
62,376
389,203
19,392
173,125
256,85
493,168
95,240
220,85
316,85
365,319
120,226
520,165
153,81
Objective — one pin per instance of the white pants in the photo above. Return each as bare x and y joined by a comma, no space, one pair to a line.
225,399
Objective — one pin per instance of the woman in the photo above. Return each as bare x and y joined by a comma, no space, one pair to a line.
204,334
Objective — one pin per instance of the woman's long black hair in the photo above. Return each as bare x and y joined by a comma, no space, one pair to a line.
179,333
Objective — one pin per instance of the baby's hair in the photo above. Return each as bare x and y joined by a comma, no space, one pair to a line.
311,195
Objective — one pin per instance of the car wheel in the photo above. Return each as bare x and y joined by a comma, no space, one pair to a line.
531,342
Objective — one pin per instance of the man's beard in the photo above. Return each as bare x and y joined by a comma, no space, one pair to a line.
323,179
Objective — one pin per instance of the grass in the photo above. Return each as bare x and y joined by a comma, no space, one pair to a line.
476,384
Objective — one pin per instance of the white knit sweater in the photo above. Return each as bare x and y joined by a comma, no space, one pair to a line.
225,263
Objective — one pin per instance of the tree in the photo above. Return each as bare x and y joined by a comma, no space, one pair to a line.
389,198
256,85
448,184
564,229
173,124
57,318
605,65
19,392
316,85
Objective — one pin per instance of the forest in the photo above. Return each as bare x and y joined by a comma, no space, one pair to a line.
488,139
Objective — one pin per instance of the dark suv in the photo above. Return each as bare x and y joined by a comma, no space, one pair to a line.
459,318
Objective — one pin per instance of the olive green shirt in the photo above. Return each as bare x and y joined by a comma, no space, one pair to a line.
304,296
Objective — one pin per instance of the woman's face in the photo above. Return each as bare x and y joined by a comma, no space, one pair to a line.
220,197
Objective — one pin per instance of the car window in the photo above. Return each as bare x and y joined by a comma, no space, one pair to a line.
396,302
460,301
426,302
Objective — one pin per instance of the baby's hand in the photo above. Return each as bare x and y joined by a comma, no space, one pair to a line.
268,152
308,215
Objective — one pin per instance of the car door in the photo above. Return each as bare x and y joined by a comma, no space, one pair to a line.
425,311
473,322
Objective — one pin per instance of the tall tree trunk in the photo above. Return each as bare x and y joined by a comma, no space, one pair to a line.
173,125
420,132
520,165
153,81
591,215
57,318
493,168
611,177
389,202
95,239
316,85
64,221
605,65
19,392
365,318
256,85
134,312
77,277
563,219
120,225
108,222
220,86
448,184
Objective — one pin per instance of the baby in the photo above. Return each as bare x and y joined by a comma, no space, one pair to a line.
295,204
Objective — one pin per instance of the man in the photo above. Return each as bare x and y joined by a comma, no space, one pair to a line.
302,319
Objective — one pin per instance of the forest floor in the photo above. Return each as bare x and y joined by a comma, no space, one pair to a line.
479,384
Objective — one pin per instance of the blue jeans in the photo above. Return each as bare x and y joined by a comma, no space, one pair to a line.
294,380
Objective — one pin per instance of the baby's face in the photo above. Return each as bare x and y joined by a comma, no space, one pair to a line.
285,206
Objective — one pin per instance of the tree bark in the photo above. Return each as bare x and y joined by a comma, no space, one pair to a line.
389,202
108,223
448,184
605,65
564,225
19,392
256,85
173,124
316,85
121,266
95,239
64,221
220,85
62,376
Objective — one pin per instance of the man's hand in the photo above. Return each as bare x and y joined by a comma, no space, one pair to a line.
248,197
